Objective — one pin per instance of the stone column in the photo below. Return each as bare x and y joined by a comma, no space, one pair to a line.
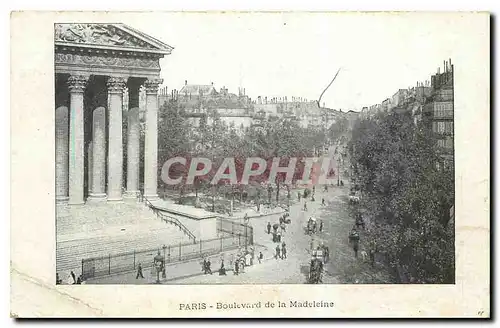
90,161
151,140
133,138
98,179
62,131
115,151
76,86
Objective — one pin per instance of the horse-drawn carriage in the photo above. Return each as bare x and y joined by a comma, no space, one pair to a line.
311,226
353,197
315,271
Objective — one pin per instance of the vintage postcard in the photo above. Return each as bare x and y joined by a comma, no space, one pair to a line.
250,164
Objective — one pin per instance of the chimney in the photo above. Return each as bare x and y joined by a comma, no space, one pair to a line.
438,70
185,82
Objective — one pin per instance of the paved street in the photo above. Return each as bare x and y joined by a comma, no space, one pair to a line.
342,268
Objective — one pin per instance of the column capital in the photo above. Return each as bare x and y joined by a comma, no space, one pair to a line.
77,83
152,85
116,84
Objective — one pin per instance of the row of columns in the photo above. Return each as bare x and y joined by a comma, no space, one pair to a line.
70,146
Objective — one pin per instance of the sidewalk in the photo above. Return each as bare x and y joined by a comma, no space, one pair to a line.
174,271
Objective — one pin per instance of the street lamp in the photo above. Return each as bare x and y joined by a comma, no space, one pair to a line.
159,263
338,171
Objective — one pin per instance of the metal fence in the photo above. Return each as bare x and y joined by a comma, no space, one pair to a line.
236,229
125,262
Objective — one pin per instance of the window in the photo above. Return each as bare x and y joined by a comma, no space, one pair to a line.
448,127
448,142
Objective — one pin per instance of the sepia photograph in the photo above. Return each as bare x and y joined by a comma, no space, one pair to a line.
269,150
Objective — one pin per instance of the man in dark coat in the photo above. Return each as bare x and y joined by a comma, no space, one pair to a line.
278,255
268,227
204,266
139,272
209,266
73,276
236,267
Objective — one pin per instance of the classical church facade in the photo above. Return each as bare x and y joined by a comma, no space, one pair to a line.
96,66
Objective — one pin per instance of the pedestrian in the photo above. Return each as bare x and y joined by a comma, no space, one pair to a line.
354,239
73,276
204,266
283,244
260,257
277,255
327,254
355,247
139,272
268,227
305,206
222,270
242,264
236,267
321,226
283,252
373,250
279,237
298,193
79,280
248,259
326,187
209,269
323,201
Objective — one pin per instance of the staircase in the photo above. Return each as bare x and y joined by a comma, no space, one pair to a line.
169,219
95,230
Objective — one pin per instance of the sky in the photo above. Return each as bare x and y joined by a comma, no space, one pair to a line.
297,54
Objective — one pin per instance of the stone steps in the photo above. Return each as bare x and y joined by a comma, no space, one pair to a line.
96,230
70,253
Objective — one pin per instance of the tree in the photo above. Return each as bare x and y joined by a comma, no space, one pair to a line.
174,138
408,195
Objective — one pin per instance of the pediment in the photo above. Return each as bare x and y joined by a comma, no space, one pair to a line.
108,36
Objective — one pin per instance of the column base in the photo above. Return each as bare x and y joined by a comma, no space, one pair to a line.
115,200
62,200
131,194
100,197
76,202
152,197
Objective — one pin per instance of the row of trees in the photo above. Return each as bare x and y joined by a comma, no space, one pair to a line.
214,139
408,192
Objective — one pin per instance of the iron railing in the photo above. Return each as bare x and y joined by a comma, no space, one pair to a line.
166,218
96,267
